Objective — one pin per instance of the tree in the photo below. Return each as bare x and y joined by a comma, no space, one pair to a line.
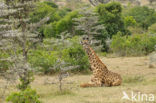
67,58
54,29
143,15
17,36
111,17
44,9
88,24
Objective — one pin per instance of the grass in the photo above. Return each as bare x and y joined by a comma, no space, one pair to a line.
133,79
136,76
64,92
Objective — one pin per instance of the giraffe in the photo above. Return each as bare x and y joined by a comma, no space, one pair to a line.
101,75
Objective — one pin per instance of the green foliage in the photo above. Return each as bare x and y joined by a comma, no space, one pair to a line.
43,60
63,11
75,55
41,11
26,96
50,30
152,28
25,81
65,24
129,21
50,9
143,15
4,65
110,16
133,45
46,58
52,4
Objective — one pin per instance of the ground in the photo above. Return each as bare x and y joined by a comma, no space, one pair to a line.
137,78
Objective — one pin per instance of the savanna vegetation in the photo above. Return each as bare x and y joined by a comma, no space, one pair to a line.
41,38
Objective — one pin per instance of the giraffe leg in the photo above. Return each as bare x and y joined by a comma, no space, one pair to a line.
84,85
117,82
95,82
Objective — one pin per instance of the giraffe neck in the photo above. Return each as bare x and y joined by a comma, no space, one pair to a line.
94,59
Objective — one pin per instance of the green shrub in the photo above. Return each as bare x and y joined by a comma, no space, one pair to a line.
64,11
41,11
50,30
75,55
49,9
111,16
26,96
135,45
43,60
129,21
136,30
143,15
4,65
52,4
25,80
65,24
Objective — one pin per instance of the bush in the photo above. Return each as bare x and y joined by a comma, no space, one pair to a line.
50,30
143,15
52,4
65,24
135,45
75,55
43,60
4,65
41,11
129,21
111,16
26,96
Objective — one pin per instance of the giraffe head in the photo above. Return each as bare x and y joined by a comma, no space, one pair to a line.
85,41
